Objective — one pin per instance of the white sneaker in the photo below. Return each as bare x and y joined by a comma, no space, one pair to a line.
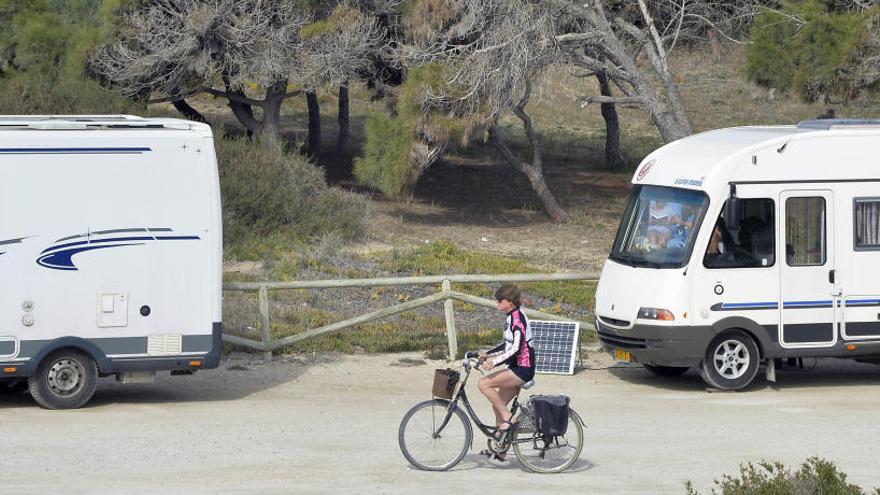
499,460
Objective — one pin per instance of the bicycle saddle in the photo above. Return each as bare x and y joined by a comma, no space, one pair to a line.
527,385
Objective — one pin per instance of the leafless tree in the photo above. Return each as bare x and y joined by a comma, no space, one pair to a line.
173,49
630,42
493,53
341,45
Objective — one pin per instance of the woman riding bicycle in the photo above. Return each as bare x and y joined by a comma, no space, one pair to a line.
515,351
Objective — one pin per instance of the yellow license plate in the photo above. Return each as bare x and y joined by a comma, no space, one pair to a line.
622,356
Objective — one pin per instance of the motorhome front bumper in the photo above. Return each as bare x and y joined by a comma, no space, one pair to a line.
657,345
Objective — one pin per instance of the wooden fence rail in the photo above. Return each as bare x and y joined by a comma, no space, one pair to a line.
446,294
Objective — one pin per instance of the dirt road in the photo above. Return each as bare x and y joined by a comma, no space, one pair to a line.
328,424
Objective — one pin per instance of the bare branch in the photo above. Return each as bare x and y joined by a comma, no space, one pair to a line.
617,100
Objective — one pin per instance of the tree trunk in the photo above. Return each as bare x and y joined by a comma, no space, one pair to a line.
613,155
343,117
534,170
672,122
535,175
271,130
242,111
717,55
314,138
188,112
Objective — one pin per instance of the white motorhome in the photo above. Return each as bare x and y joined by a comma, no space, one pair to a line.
745,246
110,252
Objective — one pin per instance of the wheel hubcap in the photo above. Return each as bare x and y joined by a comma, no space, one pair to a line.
65,377
731,359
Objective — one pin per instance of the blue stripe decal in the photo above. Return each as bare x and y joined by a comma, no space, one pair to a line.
62,260
821,303
750,305
863,302
74,151
60,256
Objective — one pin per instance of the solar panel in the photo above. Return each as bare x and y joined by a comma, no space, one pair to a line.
555,343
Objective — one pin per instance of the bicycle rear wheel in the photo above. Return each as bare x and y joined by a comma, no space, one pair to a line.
543,454
426,449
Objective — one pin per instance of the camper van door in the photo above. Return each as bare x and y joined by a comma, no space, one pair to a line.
808,295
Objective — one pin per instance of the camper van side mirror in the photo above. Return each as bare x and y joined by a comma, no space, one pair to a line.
733,212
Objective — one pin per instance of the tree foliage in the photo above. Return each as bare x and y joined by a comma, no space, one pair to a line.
817,48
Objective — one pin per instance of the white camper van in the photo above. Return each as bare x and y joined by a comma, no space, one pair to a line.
110,252
745,246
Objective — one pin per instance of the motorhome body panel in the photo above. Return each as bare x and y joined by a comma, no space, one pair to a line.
813,291
110,242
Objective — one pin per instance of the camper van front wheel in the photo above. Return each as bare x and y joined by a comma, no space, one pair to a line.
64,380
731,361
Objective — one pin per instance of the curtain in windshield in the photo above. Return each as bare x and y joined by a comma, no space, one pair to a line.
659,226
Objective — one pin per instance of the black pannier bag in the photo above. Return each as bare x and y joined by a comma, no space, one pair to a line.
444,383
551,414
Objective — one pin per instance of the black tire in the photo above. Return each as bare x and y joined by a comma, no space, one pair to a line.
666,371
422,448
542,455
731,361
64,380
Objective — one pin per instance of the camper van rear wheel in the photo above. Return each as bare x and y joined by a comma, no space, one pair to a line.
64,380
731,361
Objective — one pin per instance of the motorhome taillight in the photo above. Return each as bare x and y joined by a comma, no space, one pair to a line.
655,314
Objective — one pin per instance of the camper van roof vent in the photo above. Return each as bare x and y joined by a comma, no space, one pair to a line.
827,124
68,122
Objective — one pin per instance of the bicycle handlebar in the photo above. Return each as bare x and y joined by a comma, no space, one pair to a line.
472,360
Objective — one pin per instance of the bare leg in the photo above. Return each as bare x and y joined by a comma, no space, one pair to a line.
493,386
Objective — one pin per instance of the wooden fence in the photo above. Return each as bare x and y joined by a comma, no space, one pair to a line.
446,295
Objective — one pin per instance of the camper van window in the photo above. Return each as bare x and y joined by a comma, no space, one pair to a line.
750,244
805,231
867,224
659,226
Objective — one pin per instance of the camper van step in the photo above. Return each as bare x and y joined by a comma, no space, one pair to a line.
182,372
137,377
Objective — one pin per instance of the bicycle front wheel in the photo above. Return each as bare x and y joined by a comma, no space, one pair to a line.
425,447
549,454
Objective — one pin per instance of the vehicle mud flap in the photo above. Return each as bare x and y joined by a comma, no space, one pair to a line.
771,370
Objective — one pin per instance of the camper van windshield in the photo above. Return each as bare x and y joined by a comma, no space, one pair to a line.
659,226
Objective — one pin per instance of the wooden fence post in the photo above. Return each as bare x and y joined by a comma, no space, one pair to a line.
264,321
449,310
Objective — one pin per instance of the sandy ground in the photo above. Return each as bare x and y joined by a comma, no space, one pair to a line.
328,424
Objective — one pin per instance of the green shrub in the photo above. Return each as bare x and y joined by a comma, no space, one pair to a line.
386,163
29,93
389,163
816,58
815,477
266,190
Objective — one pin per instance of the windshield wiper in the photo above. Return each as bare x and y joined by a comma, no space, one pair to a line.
633,261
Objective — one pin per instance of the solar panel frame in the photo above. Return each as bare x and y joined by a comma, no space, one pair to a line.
556,344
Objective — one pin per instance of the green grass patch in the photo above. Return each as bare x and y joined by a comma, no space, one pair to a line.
410,333
443,257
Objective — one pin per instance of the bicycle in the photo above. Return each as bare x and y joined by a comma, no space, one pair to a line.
435,435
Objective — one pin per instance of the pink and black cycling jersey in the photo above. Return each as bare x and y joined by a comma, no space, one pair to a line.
516,349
